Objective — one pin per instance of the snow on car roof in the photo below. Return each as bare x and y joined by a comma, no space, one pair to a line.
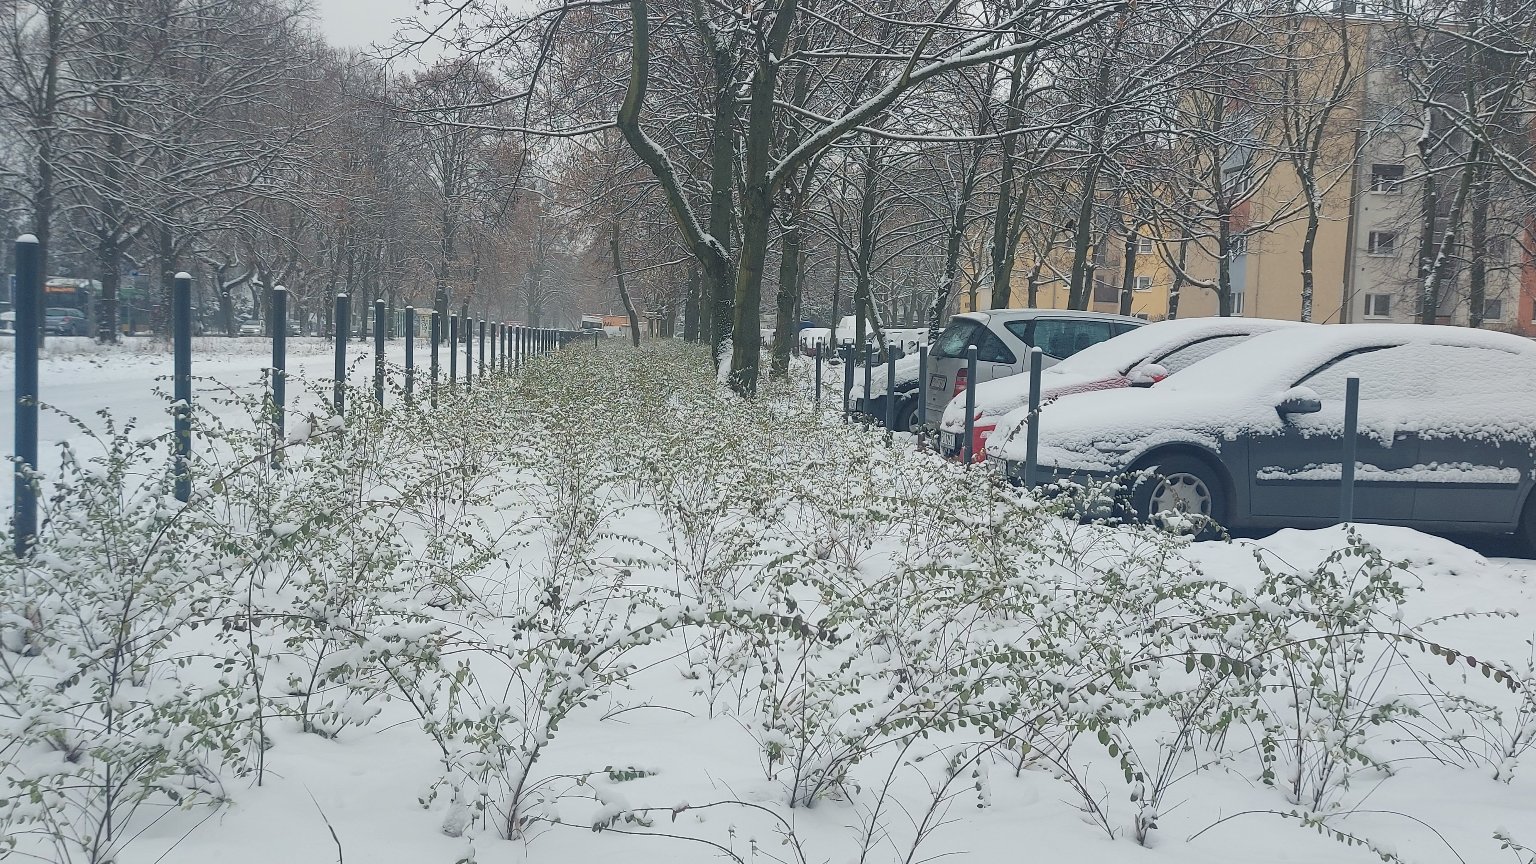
1282,357
1020,314
1128,348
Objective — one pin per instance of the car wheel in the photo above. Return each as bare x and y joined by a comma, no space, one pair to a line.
906,415
1181,493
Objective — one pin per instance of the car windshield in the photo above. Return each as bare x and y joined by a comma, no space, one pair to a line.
955,338
61,312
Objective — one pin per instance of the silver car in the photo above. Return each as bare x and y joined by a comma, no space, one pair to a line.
1003,338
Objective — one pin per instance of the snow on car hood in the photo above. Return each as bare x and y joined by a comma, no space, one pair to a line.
1001,396
906,374
1107,430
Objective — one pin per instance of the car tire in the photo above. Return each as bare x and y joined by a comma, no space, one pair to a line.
906,415
1180,483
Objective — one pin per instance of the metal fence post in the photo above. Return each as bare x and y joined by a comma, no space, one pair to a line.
28,300
922,391
410,352
817,389
890,392
435,328
1032,434
453,350
970,404
517,348
481,368
279,371
378,352
869,369
181,337
847,352
469,352
343,330
1347,466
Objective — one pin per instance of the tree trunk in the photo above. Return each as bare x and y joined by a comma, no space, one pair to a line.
691,306
1477,272
618,277
785,329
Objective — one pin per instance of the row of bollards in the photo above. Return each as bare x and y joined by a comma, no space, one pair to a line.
502,348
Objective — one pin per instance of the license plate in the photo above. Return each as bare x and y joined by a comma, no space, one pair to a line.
949,440
937,382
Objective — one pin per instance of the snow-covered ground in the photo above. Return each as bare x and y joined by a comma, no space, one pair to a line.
606,611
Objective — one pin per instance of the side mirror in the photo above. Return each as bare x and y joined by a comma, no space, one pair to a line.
1299,400
1147,374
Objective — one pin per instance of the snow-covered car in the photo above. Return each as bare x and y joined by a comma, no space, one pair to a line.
63,321
1141,357
1003,338
1252,437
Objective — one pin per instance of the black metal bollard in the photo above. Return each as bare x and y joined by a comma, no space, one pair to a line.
816,397
343,330
869,371
378,352
517,348
410,352
922,391
970,404
453,350
436,328
469,352
481,368
890,392
29,323
279,370
847,352
1351,432
597,336
181,338
1032,435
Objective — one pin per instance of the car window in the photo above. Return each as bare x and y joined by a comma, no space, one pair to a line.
990,349
1421,372
953,341
1385,373
1188,355
1063,337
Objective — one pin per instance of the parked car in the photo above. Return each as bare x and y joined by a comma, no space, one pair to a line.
1252,437
1003,338
294,329
1139,358
63,321
7,323
253,327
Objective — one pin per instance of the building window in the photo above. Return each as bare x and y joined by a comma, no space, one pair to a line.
1493,310
1386,179
1143,283
1144,246
1237,302
1382,243
1238,245
1378,305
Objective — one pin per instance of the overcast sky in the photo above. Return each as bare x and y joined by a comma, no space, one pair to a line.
357,23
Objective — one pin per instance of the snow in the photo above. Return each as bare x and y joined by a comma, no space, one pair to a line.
1436,382
1103,366
921,584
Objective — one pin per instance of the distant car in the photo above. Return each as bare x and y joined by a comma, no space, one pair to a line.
1139,358
1003,338
63,321
294,329
7,323
253,327
1251,437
